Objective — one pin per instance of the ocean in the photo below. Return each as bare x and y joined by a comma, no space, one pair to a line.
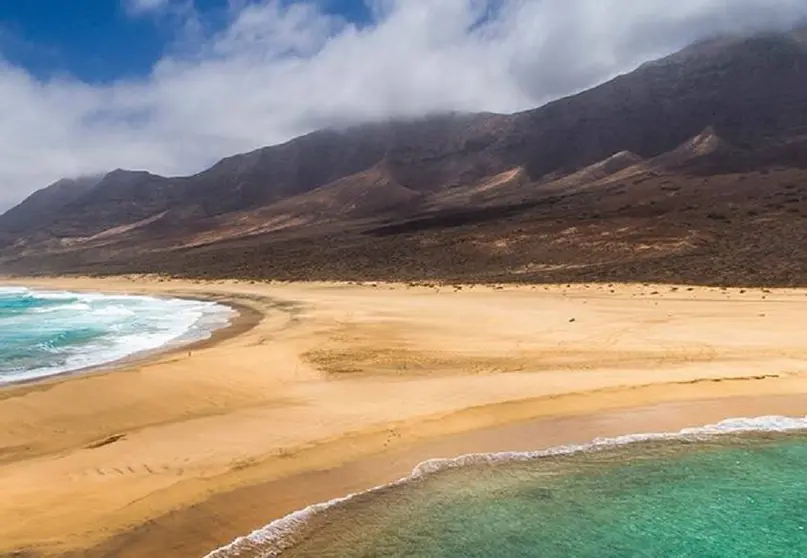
43,333
737,489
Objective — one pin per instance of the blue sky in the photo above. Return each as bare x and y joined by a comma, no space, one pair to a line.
171,86
99,41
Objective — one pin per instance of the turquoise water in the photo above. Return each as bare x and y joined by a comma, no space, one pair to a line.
729,496
46,333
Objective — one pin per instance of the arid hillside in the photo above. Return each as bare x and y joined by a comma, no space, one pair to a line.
692,168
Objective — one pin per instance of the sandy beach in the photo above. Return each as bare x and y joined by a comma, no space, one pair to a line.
319,390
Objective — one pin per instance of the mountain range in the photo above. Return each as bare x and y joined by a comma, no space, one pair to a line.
692,168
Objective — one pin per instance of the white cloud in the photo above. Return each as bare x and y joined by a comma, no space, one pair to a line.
137,7
278,70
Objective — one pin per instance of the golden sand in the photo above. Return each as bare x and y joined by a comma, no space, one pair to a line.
324,389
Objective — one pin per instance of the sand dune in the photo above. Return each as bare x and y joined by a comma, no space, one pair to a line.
321,389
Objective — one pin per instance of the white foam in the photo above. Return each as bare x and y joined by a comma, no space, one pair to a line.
110,310
130,325
9,291
274,538
73,306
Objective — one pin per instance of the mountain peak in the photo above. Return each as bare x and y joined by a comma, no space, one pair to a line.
701,111
119,173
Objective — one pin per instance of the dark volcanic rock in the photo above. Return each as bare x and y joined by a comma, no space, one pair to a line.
691,171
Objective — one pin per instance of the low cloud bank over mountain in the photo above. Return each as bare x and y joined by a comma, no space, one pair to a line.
276,70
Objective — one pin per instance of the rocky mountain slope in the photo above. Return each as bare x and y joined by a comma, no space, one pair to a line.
691,168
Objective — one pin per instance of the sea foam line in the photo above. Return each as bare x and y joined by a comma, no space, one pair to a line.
175,322
281,534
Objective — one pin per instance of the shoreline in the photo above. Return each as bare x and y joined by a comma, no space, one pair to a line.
289,496
186,452
283,533
242,318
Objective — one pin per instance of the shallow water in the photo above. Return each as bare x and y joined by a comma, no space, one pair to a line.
743,500
46,333
734,495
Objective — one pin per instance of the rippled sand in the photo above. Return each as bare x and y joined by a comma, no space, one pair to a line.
322,390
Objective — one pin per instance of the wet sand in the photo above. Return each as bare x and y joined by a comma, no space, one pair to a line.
327,389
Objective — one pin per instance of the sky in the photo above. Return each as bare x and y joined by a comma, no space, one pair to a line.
171,86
